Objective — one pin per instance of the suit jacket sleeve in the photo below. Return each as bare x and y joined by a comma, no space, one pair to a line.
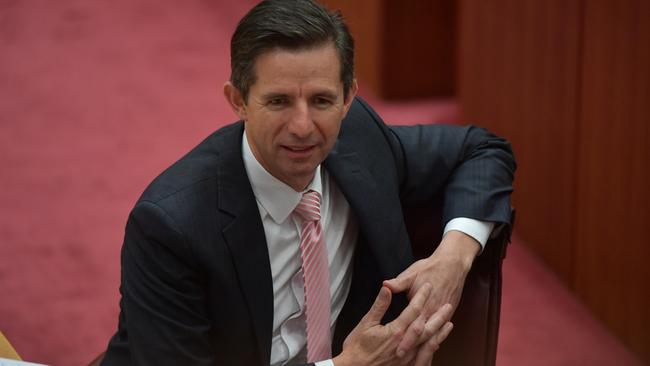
163,301
472,168
468,166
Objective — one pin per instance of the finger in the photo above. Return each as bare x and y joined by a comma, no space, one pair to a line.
411,336
425,355
436,322
444,333
426,351
378,309
400,283
412,311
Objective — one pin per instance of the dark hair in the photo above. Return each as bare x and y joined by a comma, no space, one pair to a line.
291,25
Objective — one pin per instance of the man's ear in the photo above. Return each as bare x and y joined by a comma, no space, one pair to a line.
235,99
354,87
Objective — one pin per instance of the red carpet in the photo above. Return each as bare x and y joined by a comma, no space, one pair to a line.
96,98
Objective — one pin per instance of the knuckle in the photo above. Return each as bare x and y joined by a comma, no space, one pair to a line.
429,331
418,328
437,320
432,327
417,307
397,330
433,344
396,339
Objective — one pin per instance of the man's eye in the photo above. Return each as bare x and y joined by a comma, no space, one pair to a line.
277,101
322,102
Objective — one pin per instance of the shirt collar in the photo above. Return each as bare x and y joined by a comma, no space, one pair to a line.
275,197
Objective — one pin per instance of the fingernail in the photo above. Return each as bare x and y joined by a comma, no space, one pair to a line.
400,353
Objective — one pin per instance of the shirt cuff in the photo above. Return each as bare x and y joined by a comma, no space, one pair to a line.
324,363
477,229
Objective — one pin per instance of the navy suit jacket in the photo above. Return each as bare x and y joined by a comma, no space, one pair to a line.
196,279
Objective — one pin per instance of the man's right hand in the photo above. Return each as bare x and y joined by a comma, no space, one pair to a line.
371,343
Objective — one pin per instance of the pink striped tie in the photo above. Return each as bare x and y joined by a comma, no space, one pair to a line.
317,278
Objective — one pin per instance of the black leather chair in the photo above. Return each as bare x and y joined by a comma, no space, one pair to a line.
473,341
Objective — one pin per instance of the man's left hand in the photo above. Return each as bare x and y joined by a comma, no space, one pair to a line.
445,270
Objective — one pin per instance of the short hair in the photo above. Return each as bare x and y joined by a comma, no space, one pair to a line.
291,25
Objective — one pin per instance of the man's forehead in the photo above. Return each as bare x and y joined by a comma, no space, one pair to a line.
327,52
285,68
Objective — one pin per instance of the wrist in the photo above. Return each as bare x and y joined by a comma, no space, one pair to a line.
458,247
340,360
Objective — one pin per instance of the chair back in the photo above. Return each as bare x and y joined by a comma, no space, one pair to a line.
473,341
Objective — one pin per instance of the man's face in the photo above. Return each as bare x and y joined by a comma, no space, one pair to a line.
294,111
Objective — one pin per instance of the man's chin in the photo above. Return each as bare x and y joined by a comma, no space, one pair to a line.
302,174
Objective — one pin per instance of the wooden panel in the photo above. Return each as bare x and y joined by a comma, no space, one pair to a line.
518,77
404,49
365,19
419,48
613,249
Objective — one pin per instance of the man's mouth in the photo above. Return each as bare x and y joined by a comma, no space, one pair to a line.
299,151
299,148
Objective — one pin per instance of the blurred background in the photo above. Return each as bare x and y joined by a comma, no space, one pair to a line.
98,97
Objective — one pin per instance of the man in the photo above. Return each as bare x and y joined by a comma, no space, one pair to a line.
280,239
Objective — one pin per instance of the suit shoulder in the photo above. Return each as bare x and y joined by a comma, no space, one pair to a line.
196,168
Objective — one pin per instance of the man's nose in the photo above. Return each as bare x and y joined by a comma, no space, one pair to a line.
301,123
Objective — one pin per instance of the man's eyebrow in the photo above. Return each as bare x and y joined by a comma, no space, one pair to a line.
272,95
327,94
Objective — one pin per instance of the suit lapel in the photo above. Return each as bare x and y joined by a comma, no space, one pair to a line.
377,209
384,248
244,234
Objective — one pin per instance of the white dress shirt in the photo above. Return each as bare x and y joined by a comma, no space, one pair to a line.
276,201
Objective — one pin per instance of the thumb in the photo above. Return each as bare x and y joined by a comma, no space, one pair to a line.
400,283
378,309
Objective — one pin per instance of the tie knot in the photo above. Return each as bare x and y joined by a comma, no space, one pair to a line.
309,206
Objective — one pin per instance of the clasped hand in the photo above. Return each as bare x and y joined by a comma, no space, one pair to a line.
371,343
434,286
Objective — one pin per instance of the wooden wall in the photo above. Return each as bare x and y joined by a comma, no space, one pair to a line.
518,78
395,38
568,82
365,19
612,241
